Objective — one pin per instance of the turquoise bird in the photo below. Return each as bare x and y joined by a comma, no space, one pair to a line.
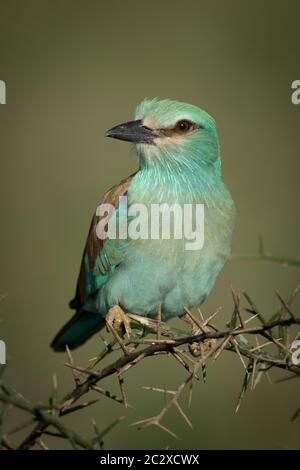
179,163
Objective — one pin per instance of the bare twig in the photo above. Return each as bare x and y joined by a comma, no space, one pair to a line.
257,359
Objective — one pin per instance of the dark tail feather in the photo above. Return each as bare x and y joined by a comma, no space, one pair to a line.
76,331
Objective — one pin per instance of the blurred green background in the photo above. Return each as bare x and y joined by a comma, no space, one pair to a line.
73,69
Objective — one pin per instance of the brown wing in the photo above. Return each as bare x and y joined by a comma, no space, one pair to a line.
94,244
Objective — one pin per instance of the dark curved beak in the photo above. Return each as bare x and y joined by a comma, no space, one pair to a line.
133,131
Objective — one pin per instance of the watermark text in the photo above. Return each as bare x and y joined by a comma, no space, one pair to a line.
2,92
155,221
295,97
2,352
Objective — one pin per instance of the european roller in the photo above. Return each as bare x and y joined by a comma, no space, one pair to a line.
178,163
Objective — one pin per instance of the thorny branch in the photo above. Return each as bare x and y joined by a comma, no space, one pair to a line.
264,255
154,338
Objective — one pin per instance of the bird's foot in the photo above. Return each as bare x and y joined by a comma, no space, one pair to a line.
117,320
198,348
150,324
201,348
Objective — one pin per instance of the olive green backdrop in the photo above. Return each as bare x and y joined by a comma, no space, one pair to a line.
74,69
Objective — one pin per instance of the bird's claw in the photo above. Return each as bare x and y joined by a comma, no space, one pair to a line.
116,318
202,347
198,348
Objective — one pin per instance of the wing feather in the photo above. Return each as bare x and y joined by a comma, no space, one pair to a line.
88,280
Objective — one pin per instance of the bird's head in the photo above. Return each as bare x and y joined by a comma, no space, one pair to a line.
170,129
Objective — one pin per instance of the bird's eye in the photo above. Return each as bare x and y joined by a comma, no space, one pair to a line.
183,126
